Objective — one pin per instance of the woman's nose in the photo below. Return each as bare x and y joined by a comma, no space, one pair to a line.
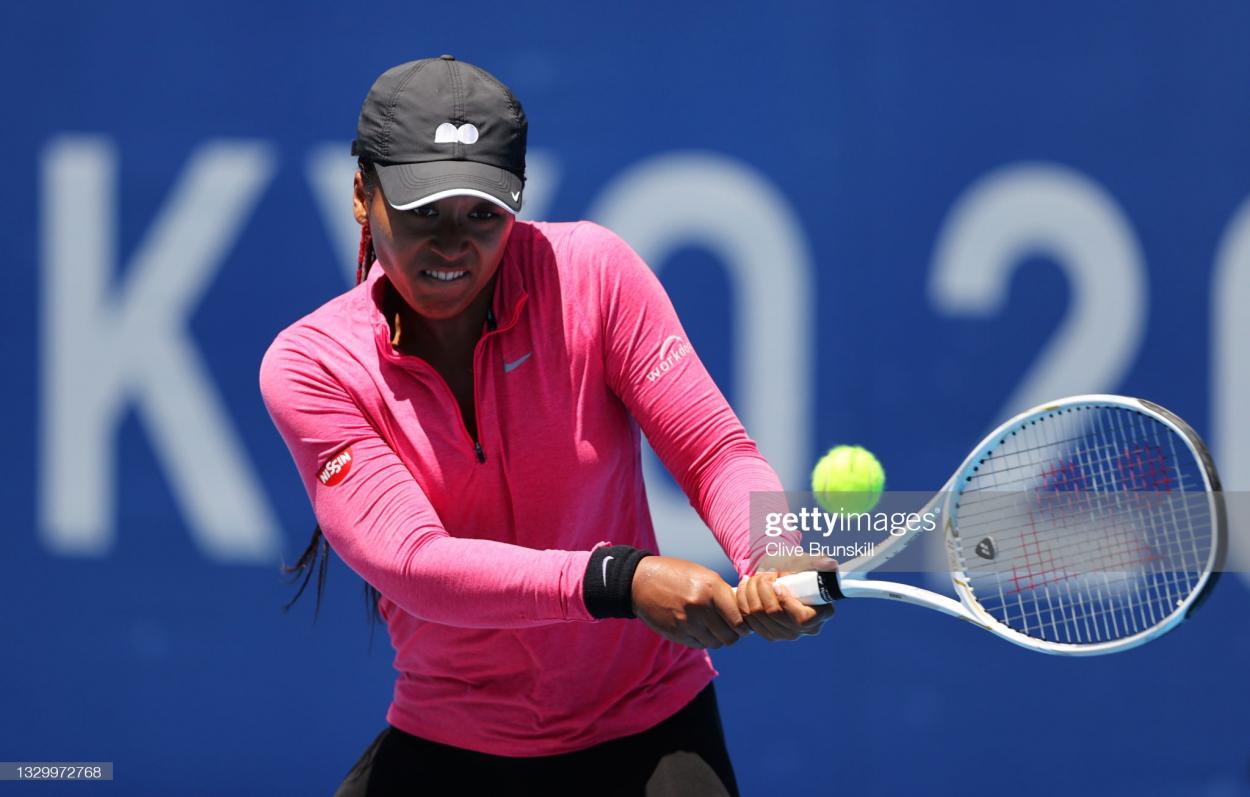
449,237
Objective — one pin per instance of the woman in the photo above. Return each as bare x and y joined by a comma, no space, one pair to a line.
466,422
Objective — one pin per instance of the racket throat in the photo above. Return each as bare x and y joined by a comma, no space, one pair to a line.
906,593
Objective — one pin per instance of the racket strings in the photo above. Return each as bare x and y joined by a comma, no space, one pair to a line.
1026,470
1114,536
1105,507
1060,609
1084,526
1106,502
1156,592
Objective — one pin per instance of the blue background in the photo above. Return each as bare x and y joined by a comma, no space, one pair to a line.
871,120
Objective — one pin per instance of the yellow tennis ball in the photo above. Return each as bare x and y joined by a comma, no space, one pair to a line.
848,479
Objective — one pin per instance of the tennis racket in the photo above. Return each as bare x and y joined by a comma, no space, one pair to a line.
1085,526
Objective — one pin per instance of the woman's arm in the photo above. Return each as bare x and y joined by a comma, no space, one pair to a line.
652,367
378,519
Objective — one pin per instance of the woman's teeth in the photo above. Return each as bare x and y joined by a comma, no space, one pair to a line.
445,276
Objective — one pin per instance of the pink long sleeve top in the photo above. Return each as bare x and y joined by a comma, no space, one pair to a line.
478,547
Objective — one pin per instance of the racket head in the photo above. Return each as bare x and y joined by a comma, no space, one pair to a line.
1085,526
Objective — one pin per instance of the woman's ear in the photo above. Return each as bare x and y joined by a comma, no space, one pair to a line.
360,198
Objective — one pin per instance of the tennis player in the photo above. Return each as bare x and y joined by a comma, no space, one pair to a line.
466,423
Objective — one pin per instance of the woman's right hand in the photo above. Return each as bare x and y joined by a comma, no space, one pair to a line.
687,603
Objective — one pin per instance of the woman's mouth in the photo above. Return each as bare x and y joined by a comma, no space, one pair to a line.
444,276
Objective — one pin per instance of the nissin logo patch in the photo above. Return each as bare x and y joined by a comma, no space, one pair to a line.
672,351
336,469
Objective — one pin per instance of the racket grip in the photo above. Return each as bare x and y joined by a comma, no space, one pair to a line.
813,587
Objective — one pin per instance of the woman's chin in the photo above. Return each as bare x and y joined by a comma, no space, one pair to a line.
442,308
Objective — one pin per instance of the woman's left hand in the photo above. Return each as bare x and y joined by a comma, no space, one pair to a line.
774,613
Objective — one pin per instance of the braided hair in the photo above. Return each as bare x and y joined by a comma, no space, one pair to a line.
366,256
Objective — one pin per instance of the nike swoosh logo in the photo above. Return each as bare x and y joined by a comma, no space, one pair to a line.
509,366
606,559
516,195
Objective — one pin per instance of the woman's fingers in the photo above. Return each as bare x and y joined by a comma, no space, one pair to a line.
809,619
764,611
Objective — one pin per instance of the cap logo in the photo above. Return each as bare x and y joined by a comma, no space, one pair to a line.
447,133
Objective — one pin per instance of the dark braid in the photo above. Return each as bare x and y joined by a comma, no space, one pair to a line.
366,256
319,548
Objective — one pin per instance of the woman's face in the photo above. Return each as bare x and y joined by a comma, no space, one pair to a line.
439,256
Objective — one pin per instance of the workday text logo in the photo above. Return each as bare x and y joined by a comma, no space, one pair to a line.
672,351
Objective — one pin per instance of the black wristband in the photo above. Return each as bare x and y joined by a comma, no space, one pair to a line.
608,586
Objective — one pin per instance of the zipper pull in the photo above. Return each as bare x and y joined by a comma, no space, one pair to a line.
478,448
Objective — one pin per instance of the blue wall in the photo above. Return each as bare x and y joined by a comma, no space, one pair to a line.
948,189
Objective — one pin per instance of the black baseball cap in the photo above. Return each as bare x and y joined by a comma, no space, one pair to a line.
439,127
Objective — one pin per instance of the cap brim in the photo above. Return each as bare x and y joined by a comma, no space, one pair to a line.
411,185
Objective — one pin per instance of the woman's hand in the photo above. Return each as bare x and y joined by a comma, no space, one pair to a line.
775,614
686,603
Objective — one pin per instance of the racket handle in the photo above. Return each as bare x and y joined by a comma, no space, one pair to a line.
813,587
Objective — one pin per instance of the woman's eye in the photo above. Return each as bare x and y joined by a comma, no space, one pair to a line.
483,215
425,212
